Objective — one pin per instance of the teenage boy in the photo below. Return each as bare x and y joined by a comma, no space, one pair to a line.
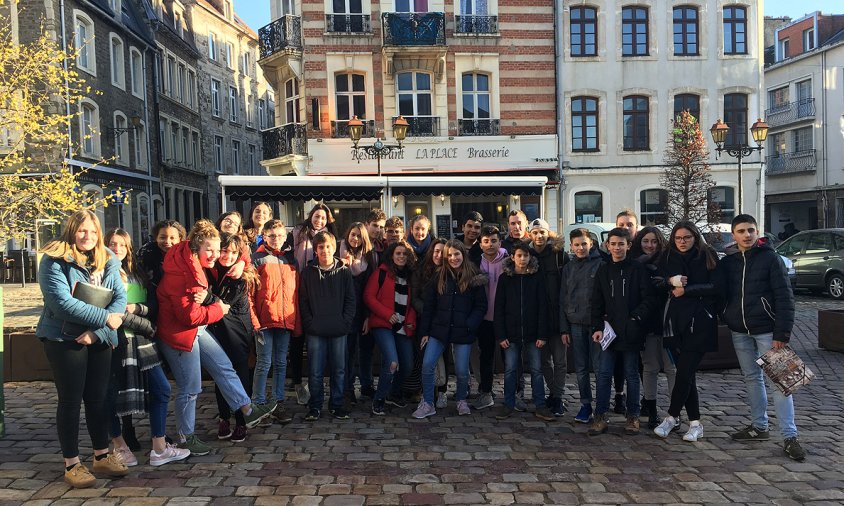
327,306
548,250
376,222
472,223
760,313
393,230
517,228
623,298
576,285
492,264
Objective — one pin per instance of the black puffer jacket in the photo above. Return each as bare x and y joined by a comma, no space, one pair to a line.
654,267
454,317
624,297
327,300
755,293
520,304
690,320
576,284
236,326
552,258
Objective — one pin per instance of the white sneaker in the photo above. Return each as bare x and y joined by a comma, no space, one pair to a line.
695,432
442,400
667,426
171,453
126,456
463,408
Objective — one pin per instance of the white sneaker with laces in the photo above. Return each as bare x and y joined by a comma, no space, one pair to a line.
171,453
463,408
442,400
695,432
668,425
126,456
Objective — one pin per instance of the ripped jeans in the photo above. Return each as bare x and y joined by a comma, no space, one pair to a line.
187,371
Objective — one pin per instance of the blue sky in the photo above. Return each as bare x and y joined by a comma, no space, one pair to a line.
256,13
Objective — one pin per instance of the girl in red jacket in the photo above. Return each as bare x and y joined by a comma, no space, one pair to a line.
186,342
392,322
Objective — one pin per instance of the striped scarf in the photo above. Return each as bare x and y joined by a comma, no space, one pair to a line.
400,305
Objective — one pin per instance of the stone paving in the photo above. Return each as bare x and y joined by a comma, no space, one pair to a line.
464,460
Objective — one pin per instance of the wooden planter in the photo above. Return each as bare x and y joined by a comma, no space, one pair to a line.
725,357
831,329
24,358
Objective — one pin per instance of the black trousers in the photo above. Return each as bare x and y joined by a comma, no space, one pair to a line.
295,358
81,374
486,345
685,386
237,349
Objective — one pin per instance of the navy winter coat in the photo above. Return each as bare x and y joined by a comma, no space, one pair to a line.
454,317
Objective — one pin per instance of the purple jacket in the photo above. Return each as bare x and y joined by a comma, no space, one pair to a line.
493,270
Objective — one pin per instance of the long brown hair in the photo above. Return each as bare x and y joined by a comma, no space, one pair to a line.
388,257
307,226
249,228
250,274
129,265
462,275
65,246
366,244
703,249
428,266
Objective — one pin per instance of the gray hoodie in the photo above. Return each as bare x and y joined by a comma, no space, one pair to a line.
576,284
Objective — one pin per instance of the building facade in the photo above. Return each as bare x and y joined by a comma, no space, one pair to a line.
475,81
625,70
804,171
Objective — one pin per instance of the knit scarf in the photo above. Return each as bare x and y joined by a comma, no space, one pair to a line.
400,304
419,248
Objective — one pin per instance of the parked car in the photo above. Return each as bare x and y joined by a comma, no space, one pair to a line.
818,257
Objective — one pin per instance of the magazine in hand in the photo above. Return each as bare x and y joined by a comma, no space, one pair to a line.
608,337
89,294
786,370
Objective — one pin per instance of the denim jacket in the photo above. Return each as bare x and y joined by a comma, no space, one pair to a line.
57,276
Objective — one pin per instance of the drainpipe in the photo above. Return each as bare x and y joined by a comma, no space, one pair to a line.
824,164
66,83
560,99
151,202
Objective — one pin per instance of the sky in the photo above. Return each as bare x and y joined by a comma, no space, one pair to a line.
256,13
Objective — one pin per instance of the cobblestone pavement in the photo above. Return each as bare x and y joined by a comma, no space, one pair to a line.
472,460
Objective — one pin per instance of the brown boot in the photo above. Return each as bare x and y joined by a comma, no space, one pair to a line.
110,466
632,426
79,477
600,425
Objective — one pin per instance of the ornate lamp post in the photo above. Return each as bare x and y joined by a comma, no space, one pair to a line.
119,198
378,148
759,131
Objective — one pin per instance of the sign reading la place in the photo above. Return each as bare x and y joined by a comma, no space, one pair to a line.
332,156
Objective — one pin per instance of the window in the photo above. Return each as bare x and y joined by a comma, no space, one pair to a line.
250,111
89,123
685,31
227,10
191,98
735,30
687,102
584,124
177,24
195,149
411,5
350,93
215,98
414,94
653,207
636,127
159,71
808,39
229,55
735,115
218,154
182,84
803,139
634,31
352,22
588,207
118,69
186,146
776,143
174,142
86,57
162,138
794,246
171,76
121,139
236,156
784,47
476,101
233,104
136,72
291,100
819,243
584,31
139,139
724,198
212,46
262,114
778,98
247,64
252,160
115,6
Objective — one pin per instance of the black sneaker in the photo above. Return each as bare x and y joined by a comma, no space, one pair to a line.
793,449
378,407
398,402
751,433
313,415
280,414
367,392
340,413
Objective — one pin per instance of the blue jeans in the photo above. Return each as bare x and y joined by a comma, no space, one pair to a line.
748,349
187,371
587,353
433,351
512,361
330,351
630,364
396,355
159,398
272,352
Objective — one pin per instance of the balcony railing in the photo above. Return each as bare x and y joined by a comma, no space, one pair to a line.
787,163
348,23
475,24
413,29
788,113
422,126
340,128
290,139
477,127
284,33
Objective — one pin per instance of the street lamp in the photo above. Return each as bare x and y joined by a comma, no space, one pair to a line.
759,131
136,122
119,198
378,148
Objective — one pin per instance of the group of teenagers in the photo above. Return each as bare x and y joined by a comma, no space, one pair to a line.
239,300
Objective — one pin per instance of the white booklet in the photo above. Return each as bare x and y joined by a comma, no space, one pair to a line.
608,337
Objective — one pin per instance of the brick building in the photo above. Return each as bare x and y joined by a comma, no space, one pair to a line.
475,81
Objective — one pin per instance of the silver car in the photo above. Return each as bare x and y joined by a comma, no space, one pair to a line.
818,257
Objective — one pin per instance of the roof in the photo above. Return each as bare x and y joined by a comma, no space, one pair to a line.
236,22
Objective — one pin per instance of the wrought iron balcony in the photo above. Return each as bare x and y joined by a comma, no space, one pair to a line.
348,23
789,163
413,29
788,113
290,139
340,128
475,24
422,126
477,127
285,33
